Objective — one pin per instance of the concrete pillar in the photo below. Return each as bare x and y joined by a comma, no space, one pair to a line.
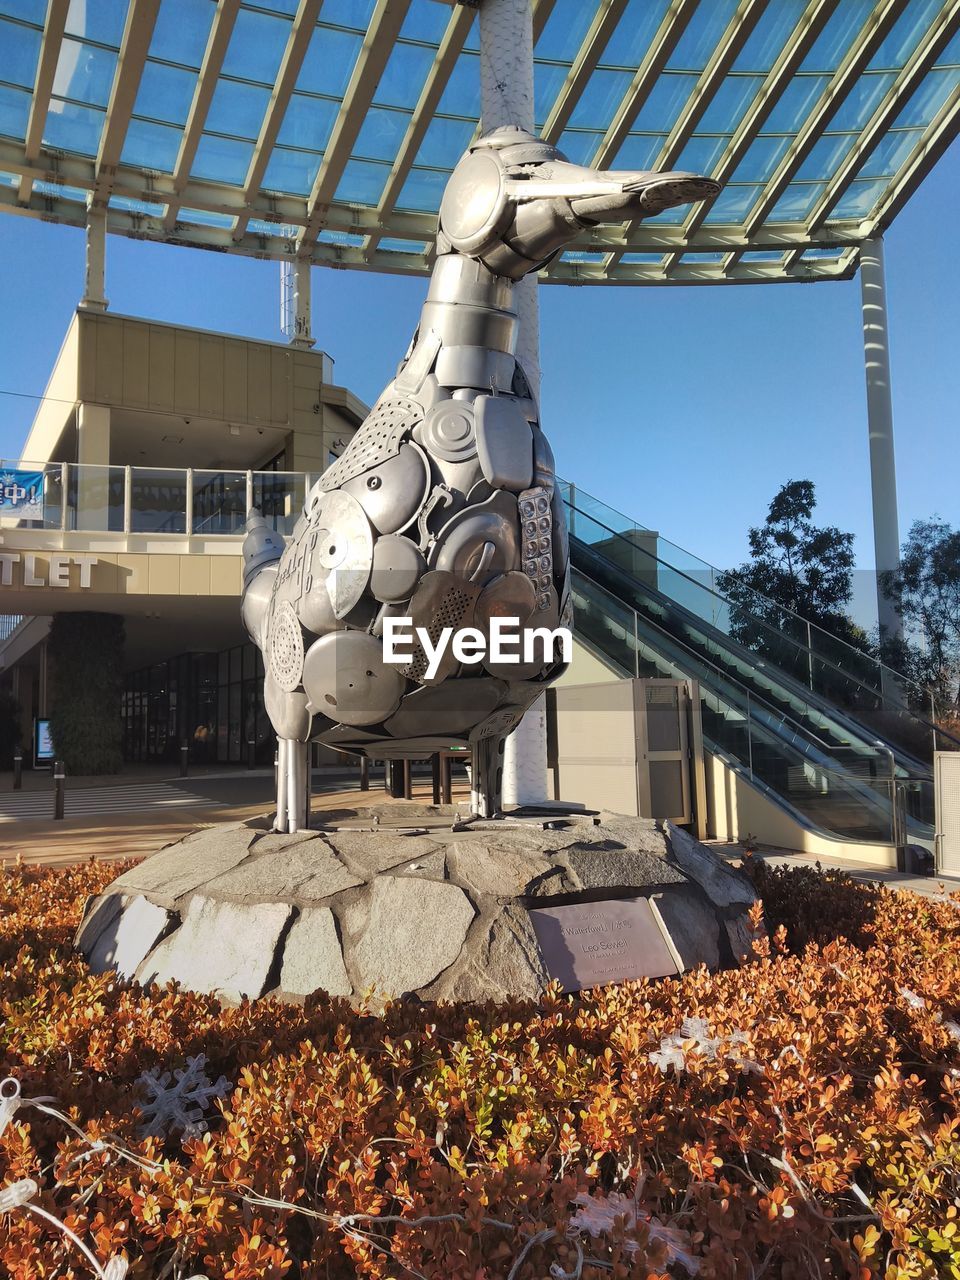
43,706
883,470
93,476
94,280
302,335
506,97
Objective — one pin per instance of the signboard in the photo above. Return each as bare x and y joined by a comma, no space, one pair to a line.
43,752
594,944
21,494
28,569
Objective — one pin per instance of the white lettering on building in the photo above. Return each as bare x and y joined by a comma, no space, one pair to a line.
32,573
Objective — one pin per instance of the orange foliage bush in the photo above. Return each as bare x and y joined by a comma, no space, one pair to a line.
796,1118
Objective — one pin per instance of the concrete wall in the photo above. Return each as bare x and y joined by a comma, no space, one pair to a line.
55,413
134,364
121,365
737,811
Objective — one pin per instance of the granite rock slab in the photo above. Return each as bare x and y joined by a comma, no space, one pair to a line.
313,957
220,948
415,904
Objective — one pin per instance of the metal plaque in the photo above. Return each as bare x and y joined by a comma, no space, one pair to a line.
595,944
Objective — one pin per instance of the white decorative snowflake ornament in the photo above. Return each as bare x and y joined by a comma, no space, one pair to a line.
179,1101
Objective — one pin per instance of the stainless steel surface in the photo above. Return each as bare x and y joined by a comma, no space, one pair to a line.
442,507
453,707
392,492
346,679
398,566
504,443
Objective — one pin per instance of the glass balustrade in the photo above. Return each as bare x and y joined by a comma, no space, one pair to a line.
760,633
856,792
146,500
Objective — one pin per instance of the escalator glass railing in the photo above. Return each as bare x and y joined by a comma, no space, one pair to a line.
849,681
846,794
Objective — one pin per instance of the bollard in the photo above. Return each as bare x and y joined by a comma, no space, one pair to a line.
364,773
251,752
408,779
393,779
59,788
435,776
184,758
17,772
446,783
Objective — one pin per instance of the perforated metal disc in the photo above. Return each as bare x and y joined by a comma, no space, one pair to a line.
286,647
441,600
346,678
379,438
341,557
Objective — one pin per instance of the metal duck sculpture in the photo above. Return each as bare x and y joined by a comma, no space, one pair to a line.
442,508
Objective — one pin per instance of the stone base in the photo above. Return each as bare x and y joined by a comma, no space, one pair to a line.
401,899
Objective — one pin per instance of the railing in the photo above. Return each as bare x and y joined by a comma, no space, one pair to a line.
871,801
155,500
8,624
694,583
846,676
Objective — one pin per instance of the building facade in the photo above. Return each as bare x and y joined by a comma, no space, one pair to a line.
130,495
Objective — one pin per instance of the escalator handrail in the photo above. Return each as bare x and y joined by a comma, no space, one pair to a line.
728,642
775,714
854,782
835,640
916,768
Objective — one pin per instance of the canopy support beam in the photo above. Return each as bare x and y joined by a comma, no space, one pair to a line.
94,275
883,470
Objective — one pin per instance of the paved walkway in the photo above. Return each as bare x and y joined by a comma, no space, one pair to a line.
934,886
24,806
134,815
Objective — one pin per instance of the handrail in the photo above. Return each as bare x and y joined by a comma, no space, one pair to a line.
774,713
857,785
801,648
574,489
843,722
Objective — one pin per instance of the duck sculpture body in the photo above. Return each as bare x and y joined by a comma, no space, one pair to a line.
443,507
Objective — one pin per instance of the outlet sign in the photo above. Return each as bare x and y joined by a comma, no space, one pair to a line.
25,569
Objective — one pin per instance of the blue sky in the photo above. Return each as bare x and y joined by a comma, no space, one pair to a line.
686,407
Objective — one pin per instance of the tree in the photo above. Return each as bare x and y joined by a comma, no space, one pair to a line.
795,567
926,593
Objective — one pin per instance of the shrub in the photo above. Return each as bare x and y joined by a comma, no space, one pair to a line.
9,728
794,1118
86,685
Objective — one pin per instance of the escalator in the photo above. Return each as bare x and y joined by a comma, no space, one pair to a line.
836,745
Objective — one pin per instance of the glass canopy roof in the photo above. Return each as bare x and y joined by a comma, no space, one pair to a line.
329,127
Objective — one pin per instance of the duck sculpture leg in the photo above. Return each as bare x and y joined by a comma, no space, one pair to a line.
443,509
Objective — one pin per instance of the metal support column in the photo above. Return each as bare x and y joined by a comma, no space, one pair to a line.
506,97
94,278
301,334
883,471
